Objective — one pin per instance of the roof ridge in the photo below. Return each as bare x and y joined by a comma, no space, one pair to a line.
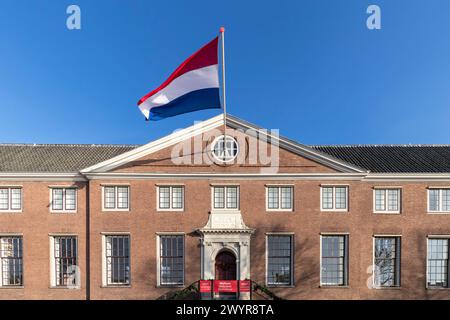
378,145
68,145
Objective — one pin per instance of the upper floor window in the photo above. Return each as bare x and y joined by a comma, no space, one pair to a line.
225,149
64,261
117,259
63,199
437,264
280,198
334,260
279,259
387,262
170,197
171,260
10,199
11,261
387,200
334,198
439,200
116,198
226,197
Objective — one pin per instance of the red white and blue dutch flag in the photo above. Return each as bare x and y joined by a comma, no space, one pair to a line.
193,86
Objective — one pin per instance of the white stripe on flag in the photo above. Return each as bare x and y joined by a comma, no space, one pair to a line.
203,78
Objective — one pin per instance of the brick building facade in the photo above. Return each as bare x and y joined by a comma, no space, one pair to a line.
134,222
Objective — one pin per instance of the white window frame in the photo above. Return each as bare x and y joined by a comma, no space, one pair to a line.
115,186
10,199
158,258
216,140
104,269
399,271
238,197
386,200
53,262
13,235
333,209
440,200
292,280
346,236
438,237
170,198
63,210
279,186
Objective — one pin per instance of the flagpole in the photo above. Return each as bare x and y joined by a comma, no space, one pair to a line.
224,99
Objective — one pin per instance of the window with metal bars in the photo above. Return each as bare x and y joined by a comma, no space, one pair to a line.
171,257
170,197
64,199
279,260
117,259
10,199
226,197
334,198
437,265
12,264
280,198
334,260
387,262
116,197
65,255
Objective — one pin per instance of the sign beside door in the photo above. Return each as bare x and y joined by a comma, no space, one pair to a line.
225,286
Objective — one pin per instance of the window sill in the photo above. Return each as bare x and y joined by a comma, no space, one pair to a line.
115,210
62,287
438,212
280,286
437,289
333,211
170,286
11,211
387,212
387,288
170,210
126,286
332,286
63,212
279,210
12,287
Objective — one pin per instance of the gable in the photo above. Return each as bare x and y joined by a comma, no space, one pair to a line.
189,150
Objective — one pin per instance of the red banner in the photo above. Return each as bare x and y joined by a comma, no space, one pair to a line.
225,285
205,286
244,285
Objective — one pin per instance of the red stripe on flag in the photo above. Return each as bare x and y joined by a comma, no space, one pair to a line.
204,57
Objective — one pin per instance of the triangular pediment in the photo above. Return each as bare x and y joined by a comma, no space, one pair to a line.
188,150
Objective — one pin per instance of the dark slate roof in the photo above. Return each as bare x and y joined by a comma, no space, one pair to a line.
393,158
55,158
75,157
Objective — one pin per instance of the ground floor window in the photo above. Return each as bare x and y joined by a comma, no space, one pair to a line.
334,260
437,266
12,265
171,260
65,249
117,259
387,262
279,259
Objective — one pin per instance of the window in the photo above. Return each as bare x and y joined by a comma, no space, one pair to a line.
279,260
116,198
63,199
170,197
117,250
226,197
387,262
387,200
437,266
222,152
280,198
334,262
10,199
439,200
64,264
171,260
334,198
11,256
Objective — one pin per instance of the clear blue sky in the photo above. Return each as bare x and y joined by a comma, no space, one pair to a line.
310,68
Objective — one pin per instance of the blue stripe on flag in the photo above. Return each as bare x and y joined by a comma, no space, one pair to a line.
192,101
